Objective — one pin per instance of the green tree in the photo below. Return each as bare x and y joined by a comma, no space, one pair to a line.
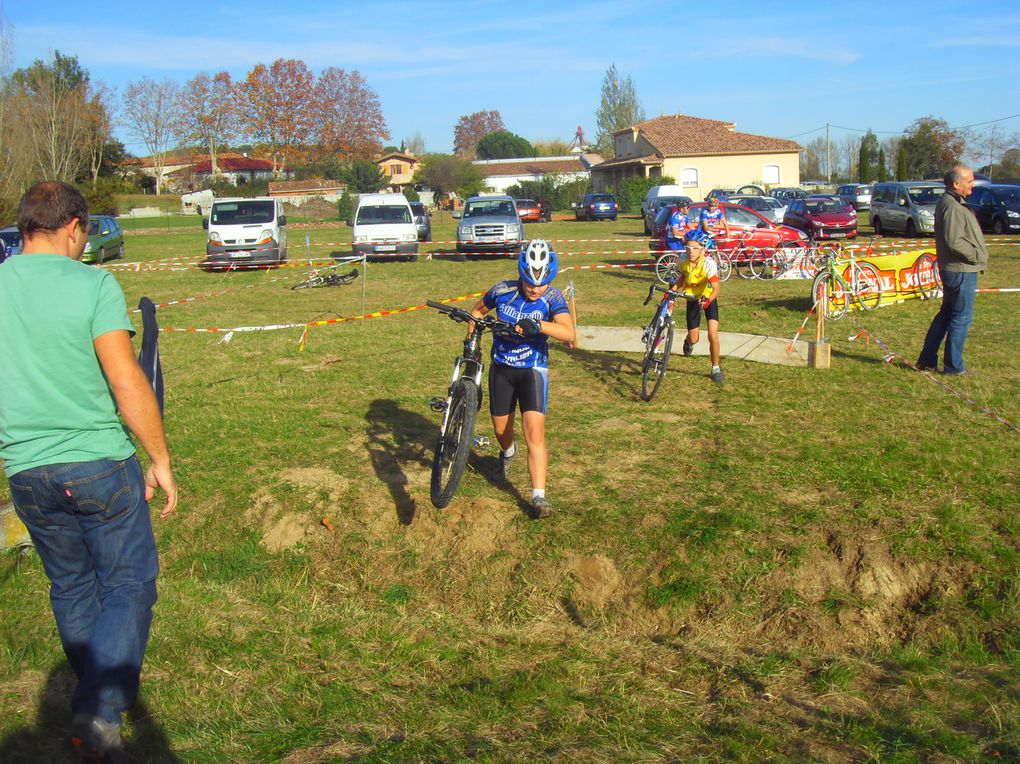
881,168
619,108
902,172
363,177
502,144
868,158
930,147
345,206
444,173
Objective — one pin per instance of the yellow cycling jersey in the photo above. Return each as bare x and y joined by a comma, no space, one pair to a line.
698,275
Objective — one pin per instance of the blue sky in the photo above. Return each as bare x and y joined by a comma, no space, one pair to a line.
782,69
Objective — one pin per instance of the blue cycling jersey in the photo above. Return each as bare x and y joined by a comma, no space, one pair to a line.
677,220
511,305
712,219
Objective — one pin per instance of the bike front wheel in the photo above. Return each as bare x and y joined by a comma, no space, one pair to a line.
869,286
454,445
667,266
656,359
723,264
315,281
929,282
828,291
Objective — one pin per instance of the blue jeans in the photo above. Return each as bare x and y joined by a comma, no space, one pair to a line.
90,524
952,322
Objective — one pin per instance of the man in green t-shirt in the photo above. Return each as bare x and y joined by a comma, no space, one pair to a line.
65,348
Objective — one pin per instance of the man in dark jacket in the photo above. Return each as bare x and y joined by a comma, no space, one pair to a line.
961,254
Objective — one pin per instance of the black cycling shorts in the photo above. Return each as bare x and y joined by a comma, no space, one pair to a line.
694,313
509,387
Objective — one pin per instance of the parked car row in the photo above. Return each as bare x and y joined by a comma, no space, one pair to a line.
822,217
743,223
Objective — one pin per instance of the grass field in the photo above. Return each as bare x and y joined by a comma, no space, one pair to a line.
801,565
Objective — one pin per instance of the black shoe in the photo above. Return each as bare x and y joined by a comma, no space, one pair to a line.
541,507
504,464
926,368
688,347
717,376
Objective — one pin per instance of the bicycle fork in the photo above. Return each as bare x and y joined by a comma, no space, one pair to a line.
438,404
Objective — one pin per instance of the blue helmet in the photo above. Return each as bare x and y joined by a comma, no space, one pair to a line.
537,264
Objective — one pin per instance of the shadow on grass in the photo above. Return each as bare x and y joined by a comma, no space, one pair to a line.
47,739
397,437
619,372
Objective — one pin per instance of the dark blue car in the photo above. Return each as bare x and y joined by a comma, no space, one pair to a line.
597,207
10,242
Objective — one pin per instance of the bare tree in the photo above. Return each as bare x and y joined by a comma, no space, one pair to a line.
415,144
98,126
153,114
209,112
851,149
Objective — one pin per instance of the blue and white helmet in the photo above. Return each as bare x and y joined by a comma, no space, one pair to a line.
537,264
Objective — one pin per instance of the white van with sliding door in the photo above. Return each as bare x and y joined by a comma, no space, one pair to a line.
245,233
383,227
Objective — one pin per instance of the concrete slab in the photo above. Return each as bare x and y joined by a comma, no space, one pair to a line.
745,347
12,532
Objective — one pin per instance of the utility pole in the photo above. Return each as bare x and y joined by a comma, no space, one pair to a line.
828,157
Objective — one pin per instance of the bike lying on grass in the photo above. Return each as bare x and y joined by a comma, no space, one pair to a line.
463,400
317,279
658,339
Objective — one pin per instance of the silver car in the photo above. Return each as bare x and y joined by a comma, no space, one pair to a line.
856,194
656,205
489,224
766,206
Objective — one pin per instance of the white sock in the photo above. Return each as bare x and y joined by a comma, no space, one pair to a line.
536,492
716,368
512,450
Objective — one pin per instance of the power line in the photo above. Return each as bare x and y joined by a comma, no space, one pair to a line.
900,132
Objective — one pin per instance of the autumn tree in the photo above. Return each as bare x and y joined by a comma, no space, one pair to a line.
619,108
553,147
471,128
209,112
152,111
275,107
349,119
502,144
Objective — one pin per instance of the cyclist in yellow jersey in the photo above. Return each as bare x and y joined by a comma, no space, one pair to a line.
699,277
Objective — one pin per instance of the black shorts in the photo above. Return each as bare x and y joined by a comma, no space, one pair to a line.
509,387
694,313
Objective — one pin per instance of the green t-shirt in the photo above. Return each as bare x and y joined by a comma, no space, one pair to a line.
55,404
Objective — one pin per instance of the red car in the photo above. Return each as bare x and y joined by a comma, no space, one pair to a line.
822,217
528,210
762,233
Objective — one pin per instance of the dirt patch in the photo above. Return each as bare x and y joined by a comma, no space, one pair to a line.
598,582
281,526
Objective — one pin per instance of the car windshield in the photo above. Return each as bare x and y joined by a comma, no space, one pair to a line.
417,208
489,207
526,203
240,213
670,201
1008,195
10,238
821,206
93,227
925,196
375,214
774,204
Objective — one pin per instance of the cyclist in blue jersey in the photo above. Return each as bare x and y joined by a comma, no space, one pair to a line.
680,226
519,372
713,219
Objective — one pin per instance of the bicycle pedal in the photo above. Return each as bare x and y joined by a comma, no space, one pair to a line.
437,404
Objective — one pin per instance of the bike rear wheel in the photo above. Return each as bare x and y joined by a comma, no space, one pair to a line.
656,359
454,445
869,286
314,281
764,264
667,266
724,265
929,282
828,291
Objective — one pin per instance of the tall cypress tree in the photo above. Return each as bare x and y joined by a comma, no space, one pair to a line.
901,163
882,171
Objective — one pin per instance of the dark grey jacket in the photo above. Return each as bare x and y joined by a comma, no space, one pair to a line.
959,244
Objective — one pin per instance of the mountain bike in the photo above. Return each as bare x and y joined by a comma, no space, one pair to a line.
841,280
316,279
658,339
927,276
459,409
667,266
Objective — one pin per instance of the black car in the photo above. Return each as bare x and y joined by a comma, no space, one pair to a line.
997,207
596,207
787,195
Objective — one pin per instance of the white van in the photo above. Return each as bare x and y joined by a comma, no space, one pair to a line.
384,225
244,232
656,191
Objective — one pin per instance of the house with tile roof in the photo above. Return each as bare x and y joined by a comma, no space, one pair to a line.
500,174
700,154
398,167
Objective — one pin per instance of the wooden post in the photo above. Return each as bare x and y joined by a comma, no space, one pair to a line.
572,307
818,349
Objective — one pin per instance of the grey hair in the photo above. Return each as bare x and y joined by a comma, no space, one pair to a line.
953,175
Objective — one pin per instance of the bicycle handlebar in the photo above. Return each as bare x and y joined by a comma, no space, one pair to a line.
489,322
653,288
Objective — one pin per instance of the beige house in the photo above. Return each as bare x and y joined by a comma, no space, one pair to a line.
700,154
398,168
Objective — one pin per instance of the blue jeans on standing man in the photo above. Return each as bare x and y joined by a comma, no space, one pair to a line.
951,322
90,524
